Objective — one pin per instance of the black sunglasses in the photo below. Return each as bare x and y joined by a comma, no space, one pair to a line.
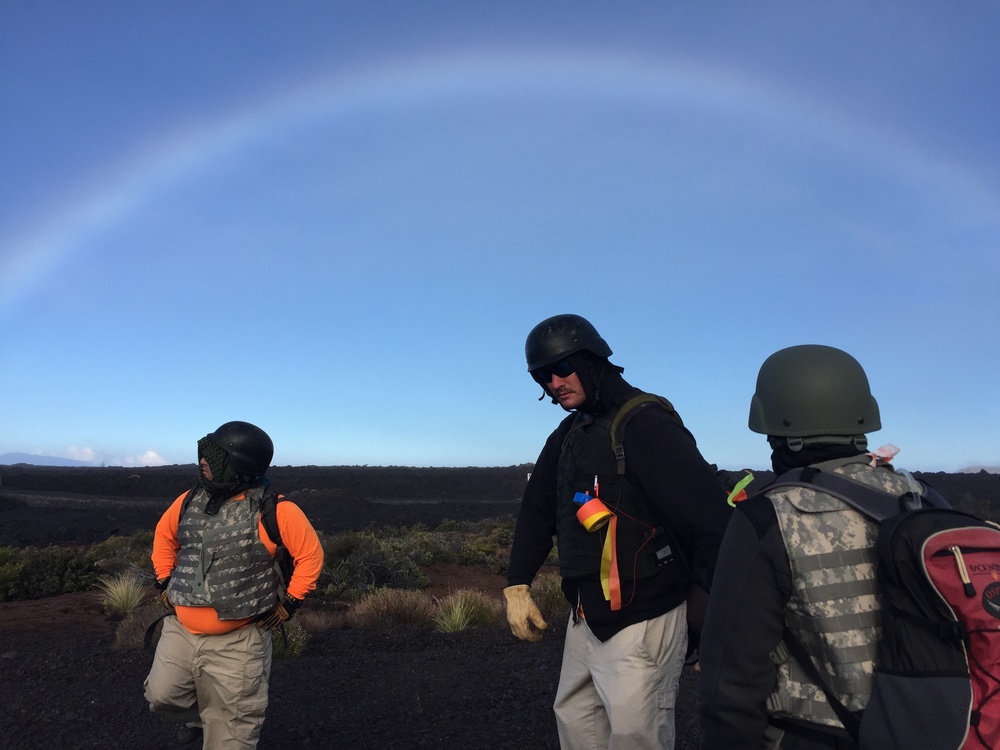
562,369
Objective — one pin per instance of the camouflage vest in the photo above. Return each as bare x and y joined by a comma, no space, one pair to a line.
222,562
834,607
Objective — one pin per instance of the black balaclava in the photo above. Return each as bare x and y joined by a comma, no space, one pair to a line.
783,458
601,381
225,482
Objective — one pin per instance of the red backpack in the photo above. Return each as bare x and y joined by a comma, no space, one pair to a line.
937,671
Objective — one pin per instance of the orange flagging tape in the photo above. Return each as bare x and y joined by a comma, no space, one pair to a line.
593,514
610,581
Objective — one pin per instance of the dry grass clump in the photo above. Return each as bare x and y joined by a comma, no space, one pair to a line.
394,607
317,620
467,608
124,592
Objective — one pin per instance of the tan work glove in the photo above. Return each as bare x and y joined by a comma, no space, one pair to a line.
281,613
522,613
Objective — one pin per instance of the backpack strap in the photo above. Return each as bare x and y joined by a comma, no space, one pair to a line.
875,503
850,720
269,515
628,410
186,502
269,519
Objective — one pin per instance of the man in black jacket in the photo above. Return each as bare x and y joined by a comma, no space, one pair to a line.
634,531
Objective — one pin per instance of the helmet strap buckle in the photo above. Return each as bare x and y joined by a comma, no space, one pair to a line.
860,442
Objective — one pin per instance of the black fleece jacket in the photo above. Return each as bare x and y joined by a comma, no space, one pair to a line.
665,464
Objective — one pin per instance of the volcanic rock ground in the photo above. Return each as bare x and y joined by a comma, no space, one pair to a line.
66,684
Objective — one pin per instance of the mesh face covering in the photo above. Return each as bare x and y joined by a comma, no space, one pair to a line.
223,475
225,481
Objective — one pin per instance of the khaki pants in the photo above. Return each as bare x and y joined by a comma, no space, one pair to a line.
621,693
217,681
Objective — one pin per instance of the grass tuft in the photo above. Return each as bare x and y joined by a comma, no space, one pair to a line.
124,592
467,608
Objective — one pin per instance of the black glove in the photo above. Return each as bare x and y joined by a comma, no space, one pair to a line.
161,586
281,613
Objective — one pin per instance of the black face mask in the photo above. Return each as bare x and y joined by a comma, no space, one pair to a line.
225,482
784,458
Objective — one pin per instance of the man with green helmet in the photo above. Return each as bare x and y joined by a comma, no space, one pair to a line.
797,565
638,515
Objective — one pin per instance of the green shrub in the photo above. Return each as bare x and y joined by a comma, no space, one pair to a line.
124,592
290,643
359,562
341,545
118,553
36,573
546,591
373,566
467,608
489,545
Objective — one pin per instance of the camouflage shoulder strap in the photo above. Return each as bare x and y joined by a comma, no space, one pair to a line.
628,410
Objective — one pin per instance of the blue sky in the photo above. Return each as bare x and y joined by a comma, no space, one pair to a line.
340,220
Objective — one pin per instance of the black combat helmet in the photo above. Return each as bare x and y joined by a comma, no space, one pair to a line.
560,336
813,390
249,448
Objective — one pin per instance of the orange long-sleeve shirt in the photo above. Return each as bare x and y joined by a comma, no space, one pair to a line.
297,534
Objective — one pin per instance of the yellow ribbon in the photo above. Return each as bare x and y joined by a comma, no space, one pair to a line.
594,515
610,581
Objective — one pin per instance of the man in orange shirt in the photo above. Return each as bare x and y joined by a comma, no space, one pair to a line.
214,563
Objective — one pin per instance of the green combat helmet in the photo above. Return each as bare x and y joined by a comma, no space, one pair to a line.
813,391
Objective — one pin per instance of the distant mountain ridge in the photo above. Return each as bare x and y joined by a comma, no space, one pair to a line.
34,460
977,469
9,459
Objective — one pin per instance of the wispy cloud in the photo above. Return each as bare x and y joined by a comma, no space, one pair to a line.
149,458
81,454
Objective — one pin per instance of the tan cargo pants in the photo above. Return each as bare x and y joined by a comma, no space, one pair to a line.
217,681
621,693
